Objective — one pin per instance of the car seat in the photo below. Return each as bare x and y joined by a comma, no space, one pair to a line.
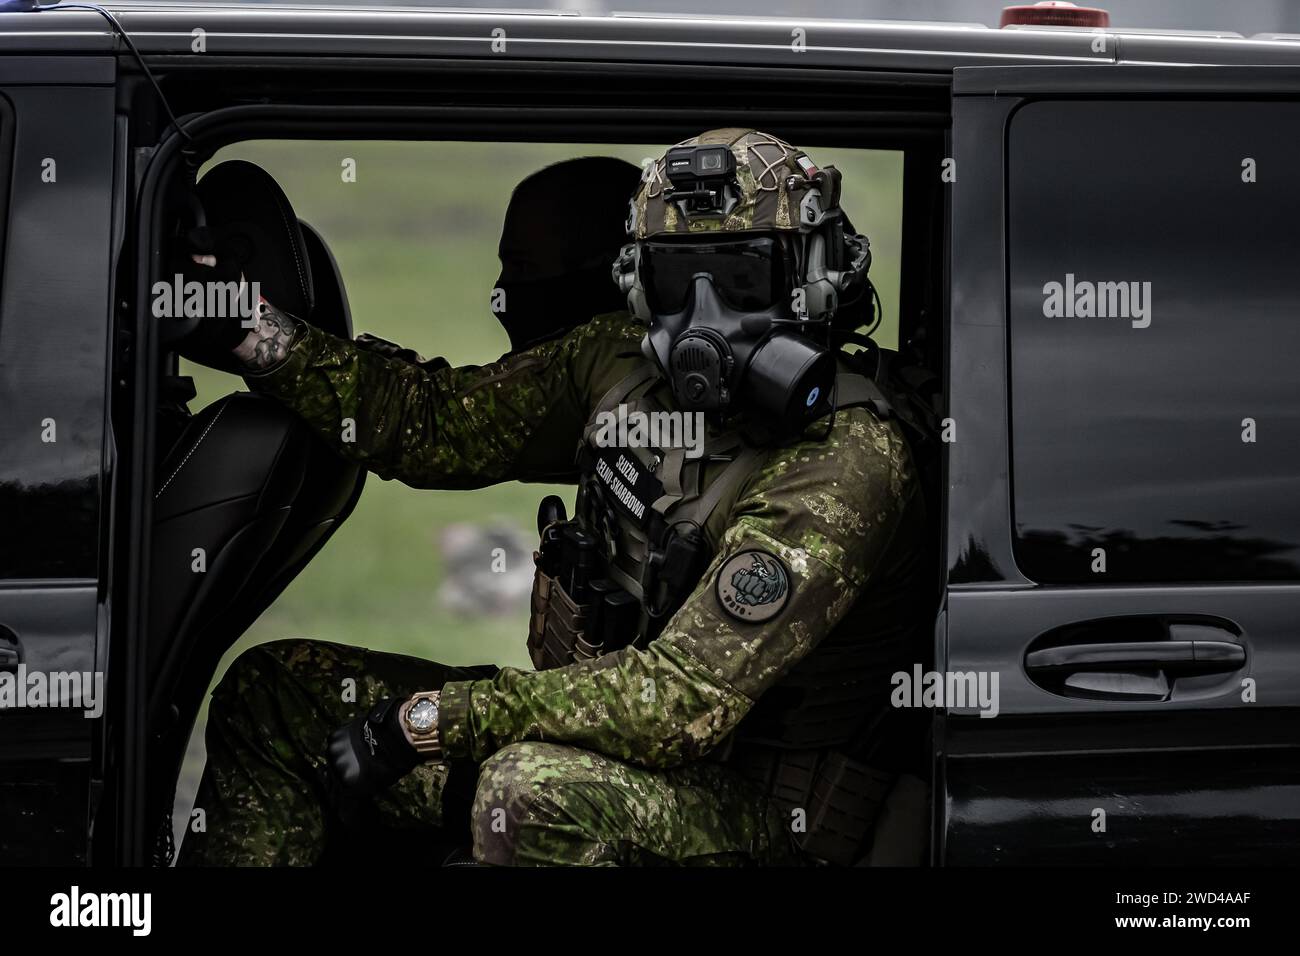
247,495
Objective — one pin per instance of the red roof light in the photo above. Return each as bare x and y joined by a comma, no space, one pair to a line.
1054,13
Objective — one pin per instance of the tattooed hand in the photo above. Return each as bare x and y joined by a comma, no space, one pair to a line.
267,344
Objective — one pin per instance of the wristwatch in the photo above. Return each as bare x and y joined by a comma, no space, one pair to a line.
418,717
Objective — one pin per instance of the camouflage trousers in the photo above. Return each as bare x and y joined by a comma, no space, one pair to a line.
265,800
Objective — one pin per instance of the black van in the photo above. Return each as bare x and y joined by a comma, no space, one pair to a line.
1099,265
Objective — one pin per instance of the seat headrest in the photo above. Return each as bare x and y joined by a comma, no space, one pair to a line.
555,265
331,313
247,210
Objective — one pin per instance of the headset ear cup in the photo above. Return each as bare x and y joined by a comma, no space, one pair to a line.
820,299
852,245
624,268
627,276
835,244
857,247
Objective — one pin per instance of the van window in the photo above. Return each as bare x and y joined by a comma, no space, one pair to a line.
418,255
1155,340
56,220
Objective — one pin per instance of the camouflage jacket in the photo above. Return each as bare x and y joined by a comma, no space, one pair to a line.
836,510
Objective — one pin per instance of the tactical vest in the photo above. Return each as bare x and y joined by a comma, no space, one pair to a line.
614,573
635,549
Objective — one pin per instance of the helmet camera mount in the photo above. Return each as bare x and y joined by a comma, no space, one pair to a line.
701,179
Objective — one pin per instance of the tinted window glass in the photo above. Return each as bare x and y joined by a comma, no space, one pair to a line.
54,330
1155,340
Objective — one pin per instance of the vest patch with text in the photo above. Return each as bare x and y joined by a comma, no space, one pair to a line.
630,485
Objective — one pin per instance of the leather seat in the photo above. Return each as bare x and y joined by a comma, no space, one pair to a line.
246,494
333,485
228,488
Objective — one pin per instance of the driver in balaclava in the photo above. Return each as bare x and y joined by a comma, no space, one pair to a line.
714,627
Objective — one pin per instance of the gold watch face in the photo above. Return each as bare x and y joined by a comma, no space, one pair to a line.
422,717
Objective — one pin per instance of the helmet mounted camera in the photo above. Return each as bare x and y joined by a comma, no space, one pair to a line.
701,179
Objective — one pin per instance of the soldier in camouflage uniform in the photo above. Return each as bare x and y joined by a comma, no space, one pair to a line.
699,740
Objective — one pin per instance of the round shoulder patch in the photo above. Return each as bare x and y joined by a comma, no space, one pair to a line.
753,586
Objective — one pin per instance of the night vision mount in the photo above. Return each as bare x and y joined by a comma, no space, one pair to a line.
702,179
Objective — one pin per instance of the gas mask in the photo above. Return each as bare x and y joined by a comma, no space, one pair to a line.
725,336
740,260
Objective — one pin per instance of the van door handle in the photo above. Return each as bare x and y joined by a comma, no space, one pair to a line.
1204,656
1145,667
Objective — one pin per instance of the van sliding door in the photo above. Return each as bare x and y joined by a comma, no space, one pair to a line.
1123,548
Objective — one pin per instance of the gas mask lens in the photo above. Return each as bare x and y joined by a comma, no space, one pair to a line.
750,275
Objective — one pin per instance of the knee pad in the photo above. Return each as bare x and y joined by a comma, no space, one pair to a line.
516,788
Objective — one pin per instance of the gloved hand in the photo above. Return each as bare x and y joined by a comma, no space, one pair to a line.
370,754
197,257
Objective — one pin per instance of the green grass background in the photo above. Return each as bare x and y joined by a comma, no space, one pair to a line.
415,238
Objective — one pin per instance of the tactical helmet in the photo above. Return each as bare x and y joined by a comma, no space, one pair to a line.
746,181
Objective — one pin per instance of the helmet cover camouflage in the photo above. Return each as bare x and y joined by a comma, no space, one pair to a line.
774,181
